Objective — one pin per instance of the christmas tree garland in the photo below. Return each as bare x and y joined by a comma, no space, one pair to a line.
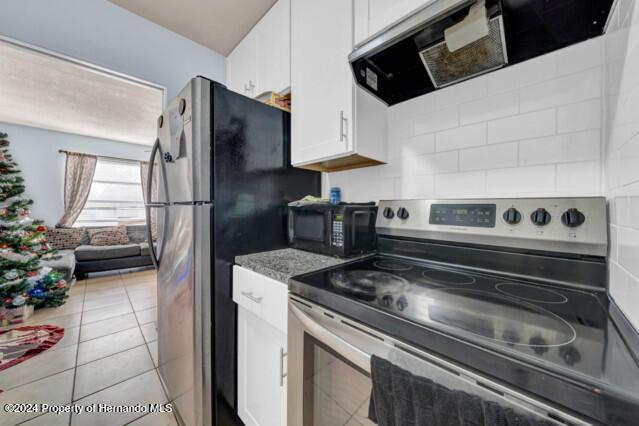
22,245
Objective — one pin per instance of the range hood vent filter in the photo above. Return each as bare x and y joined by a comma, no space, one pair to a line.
481,56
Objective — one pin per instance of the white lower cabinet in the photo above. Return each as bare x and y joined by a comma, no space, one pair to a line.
261,371
261,348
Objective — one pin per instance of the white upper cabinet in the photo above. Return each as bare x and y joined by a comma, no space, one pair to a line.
374,15
274,49
241,67
261,62
321,82
326,121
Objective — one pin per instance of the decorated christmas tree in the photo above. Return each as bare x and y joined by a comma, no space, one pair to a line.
23,281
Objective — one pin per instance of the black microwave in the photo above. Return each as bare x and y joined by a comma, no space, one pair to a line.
342,230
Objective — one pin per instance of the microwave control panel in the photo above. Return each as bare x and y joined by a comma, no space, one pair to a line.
337,237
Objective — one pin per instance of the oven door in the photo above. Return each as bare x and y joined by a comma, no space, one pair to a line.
309,229
329,377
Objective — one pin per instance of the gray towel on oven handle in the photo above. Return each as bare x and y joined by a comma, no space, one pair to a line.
399,398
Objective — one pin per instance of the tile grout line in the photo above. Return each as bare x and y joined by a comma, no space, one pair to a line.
114,384
145,341
77,351
79,365
155,367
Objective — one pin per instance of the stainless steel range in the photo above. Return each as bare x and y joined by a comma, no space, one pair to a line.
504,299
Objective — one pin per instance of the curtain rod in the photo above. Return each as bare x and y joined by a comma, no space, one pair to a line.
63,151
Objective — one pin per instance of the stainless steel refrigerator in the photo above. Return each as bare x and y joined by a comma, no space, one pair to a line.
224,180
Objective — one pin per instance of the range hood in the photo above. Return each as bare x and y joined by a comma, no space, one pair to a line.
449,41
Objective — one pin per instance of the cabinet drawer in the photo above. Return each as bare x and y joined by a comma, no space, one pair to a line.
263,296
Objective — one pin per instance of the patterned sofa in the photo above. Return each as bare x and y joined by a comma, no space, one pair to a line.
79,257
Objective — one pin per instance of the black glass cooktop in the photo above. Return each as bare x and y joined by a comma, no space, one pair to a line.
557,327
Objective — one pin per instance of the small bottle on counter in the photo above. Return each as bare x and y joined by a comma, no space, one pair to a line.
336,195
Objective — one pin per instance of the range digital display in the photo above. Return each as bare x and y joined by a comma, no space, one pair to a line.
476,215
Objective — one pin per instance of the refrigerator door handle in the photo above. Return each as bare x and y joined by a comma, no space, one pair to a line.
156,255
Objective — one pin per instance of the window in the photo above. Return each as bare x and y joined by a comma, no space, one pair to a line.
115,197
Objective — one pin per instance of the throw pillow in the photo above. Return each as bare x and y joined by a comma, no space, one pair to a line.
65,238
108,236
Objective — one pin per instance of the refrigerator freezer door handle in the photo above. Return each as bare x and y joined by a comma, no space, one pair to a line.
149,204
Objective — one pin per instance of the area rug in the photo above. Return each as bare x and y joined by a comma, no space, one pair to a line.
21,343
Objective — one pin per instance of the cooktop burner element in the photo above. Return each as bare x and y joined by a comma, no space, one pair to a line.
498,318
393,265
368,284
531,293
443,277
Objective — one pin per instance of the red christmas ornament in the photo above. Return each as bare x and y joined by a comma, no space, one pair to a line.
32,273
8,301
4,246
41,228
61,284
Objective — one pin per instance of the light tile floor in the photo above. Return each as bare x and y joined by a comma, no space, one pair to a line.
108,355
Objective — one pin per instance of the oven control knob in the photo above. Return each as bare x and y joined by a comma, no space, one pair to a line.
573,218
540,217
388,213
512,216
402,213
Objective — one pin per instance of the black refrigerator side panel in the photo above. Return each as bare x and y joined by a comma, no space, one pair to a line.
253,183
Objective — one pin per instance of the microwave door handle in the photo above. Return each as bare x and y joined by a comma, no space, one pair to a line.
358,357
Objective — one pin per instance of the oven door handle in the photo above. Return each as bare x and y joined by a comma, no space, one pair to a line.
355,355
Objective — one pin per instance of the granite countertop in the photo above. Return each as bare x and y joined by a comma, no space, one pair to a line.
286,263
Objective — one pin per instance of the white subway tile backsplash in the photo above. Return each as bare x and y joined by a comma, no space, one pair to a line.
495,106
463,92
523,126
410,147
579,178
489,157
580,116
521,180
628,240
624,289
580,56
415,187
401,128
460,184
581,146
561,91
461,137
429,164
523,74
437,120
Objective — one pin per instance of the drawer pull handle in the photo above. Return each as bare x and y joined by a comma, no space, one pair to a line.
251,297
282,373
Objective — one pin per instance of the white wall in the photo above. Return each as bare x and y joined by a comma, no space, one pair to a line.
621,130
533,129
36,152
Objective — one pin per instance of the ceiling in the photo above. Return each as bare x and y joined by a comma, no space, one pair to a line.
217,24
41,90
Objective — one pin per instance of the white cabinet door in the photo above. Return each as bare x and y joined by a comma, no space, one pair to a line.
383,13
261,371
241,67
274,49
321,81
